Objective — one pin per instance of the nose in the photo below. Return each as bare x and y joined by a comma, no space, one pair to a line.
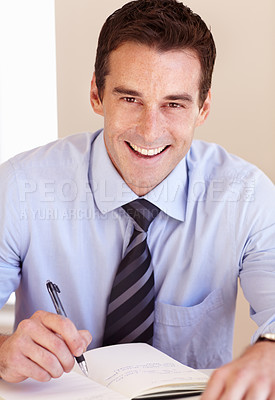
150,125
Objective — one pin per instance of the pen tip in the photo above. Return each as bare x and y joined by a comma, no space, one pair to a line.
84,368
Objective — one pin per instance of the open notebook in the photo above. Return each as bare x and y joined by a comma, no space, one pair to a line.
119,372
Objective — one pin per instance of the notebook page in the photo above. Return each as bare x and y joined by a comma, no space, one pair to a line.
132,368
72,386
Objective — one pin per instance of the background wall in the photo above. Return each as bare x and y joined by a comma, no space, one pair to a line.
242,117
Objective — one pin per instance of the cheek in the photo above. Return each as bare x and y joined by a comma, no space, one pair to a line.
182,132
117,121
183,138
181,120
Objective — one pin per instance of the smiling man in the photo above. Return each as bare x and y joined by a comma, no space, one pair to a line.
151,105
145,230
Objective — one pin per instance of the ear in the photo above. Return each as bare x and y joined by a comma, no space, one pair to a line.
94,98
205,109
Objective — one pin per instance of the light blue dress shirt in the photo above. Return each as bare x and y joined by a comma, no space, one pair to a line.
60,219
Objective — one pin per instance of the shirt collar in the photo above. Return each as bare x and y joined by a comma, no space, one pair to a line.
110,191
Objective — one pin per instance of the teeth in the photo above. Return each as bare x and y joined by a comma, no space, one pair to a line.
145,152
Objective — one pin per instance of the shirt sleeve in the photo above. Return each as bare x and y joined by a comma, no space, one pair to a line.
10,233
255,233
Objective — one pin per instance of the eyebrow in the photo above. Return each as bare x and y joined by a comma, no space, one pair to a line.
172,97
183,97
123,90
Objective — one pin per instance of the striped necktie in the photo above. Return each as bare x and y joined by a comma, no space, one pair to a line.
130,315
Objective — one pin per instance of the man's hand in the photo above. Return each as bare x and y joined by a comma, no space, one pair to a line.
42,347
250,377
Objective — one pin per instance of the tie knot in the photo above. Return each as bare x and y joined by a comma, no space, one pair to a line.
142,211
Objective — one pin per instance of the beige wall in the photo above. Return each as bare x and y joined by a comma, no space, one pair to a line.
242,118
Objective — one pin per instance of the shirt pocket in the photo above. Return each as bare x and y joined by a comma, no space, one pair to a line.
196,336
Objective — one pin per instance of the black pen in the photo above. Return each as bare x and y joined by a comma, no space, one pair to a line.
53,290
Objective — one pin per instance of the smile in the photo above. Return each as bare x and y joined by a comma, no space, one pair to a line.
147,152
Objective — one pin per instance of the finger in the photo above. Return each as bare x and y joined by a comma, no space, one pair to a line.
215,386
40,347
45,359
51,353
65,328
237,385
47,349
18,368
29,369
86,336
258,391
35,371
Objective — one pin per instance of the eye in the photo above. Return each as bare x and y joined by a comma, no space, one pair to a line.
174,105
130,99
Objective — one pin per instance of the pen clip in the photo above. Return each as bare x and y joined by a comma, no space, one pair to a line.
53,290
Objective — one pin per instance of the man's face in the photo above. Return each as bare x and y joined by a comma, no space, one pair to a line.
151,107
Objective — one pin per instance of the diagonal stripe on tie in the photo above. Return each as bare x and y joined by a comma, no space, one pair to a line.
116,323
138,271
133,296
130,315
133,324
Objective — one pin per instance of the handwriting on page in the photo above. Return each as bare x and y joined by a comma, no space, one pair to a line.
167,369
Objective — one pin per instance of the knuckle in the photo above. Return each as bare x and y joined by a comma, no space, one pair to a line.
25,329
15,357
41,375
262,380
87,337
78,345
65,324
57,343
26,325
71,334
241,373
62,356
38,315
68,366
51,365
57,372
219,374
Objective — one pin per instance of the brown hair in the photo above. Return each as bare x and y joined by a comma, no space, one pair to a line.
162,24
